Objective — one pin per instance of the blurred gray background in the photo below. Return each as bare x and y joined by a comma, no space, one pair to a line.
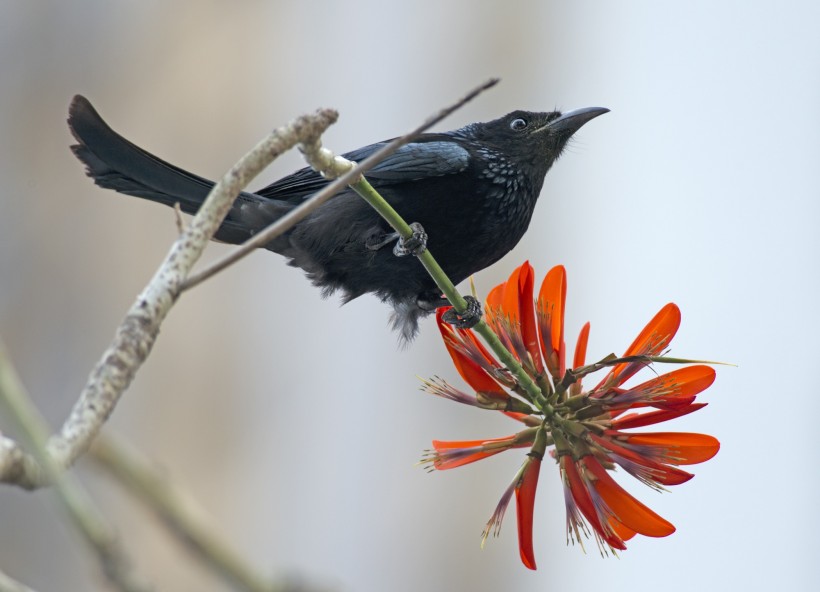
297,423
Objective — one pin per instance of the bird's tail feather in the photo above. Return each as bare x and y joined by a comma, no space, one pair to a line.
115,163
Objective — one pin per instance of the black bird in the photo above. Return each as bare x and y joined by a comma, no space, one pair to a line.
473,190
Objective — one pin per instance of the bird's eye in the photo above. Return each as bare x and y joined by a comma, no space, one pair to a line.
518,124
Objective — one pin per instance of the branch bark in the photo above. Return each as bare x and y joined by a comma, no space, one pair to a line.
136,334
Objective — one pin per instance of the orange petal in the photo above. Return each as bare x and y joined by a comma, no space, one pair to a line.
654,338
625,508
469,370
683,383
524,505
551,300
679,448
526,311
637,420
510,302
579,359
494,301
585,504
503,298
620,530
659,472
458,460
581,347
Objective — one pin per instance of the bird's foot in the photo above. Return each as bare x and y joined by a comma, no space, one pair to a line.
415,244
467,319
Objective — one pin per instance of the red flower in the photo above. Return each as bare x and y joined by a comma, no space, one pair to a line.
587,430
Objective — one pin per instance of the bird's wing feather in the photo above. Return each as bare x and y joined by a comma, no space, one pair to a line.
411,162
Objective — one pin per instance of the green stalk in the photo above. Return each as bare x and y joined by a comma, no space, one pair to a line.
392,217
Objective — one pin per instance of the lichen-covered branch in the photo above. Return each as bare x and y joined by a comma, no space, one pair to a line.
136,334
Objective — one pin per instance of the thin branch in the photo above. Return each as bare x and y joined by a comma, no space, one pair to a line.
88,520
330,166
179,512
136,335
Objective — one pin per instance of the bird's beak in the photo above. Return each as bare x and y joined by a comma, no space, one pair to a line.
571,122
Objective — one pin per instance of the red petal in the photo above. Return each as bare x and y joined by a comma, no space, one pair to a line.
579,359
620,530
551,299
661,473
526,309
495,300
681,448
470,371
586,505
637,420
654,338
503,298
581,347
509,303
625,508
478,454
524,505
682,384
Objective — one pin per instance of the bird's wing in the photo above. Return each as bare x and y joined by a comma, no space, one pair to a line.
434,157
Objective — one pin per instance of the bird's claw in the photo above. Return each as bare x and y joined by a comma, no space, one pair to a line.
467,319
415,244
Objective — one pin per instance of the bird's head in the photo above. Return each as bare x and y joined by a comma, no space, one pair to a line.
532,138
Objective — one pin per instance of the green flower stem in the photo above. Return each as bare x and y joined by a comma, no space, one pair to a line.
392,217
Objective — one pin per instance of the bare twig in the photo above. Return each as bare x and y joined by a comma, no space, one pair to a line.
85,516
136,334
330,166
178,218
178,512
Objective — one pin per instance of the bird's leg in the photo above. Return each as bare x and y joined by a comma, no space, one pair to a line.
377,241
431,300
415,244
467,319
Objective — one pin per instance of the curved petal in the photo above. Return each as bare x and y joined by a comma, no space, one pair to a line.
625,508
677,448
524,505
551,300
654,338
667,391
526,310
621,531
452,454
678,386
581,496
579,359
469,370
637,420
641,467
509,311
494,301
